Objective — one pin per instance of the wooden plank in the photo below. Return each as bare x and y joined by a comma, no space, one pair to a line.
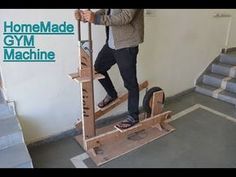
85,72
116,134
74,75
120,100
157,103
110,151
97,76
109,127
85,78
108,108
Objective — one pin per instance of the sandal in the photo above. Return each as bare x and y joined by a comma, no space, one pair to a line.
107,100
127,123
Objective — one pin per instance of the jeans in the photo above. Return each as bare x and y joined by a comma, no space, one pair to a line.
126,59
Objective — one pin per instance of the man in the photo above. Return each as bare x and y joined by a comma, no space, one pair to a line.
124,32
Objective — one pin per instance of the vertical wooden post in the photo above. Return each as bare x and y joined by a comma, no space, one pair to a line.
157,103
87,91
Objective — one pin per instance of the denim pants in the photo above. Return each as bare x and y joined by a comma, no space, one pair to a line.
126,59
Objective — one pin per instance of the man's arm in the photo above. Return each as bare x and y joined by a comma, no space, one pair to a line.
122,18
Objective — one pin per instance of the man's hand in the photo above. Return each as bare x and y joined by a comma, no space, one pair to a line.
79,15
89,16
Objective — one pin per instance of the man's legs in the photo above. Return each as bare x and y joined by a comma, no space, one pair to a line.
103,63
126,60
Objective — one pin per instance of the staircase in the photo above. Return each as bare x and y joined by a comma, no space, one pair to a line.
219,79
13,151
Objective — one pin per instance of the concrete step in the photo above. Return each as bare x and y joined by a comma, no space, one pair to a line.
205,89
10,133
223,95
222,69
228,59
231,85
5,111
227,97
213,79
216,80
16,156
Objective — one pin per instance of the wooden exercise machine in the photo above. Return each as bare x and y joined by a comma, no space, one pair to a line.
107,143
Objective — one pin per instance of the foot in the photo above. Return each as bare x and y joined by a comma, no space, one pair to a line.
106,101
127,123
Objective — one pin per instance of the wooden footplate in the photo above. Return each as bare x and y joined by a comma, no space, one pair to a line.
78,77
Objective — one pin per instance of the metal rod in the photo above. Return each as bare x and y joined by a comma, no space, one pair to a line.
79,30
89,31
79,38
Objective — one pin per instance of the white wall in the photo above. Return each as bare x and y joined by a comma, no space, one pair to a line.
178,45
47,101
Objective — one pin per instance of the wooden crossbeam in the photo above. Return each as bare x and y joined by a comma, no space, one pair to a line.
85,78
116,134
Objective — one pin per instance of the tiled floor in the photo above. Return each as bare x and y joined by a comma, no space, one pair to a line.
202,139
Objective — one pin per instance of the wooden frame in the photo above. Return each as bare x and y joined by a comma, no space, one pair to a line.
110,142
107,143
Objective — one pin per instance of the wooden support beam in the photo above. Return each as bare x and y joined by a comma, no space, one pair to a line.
116,134
108,108
157,99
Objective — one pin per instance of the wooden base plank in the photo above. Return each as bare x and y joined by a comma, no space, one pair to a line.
104,129
115,134
110,151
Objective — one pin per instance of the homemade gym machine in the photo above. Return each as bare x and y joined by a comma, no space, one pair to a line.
109,142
